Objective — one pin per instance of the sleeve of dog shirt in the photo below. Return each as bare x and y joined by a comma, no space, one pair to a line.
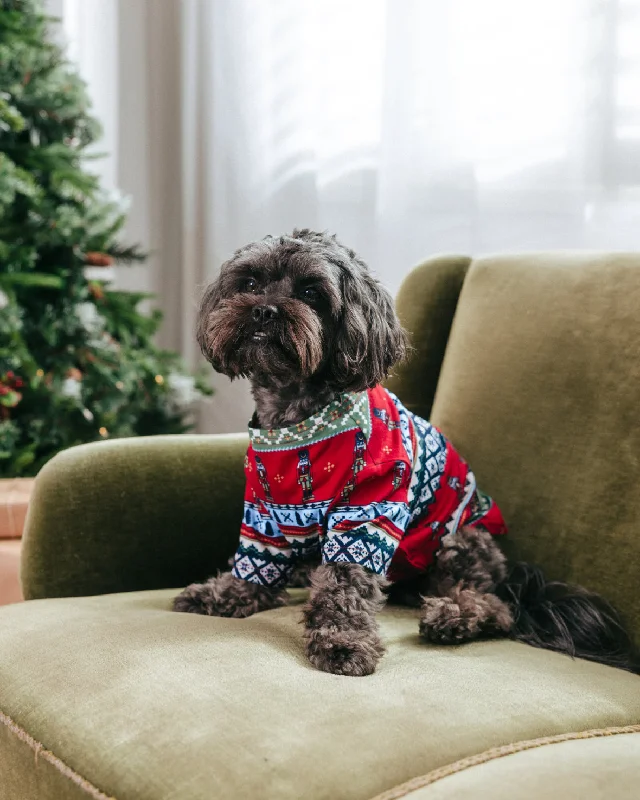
264,555
367,526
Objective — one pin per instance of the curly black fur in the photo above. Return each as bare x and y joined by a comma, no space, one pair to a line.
341,631
304,320
565,618
331,326
461,603
228,596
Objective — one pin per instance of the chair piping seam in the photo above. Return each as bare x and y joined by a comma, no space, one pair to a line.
392,794
404,789
57,763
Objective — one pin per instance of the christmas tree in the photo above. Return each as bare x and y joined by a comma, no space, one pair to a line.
77,358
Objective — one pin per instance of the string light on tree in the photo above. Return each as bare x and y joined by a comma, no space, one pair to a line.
71,388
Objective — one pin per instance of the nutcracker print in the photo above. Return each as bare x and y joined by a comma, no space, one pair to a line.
304,475
349,486
359,449
358,453
381,413
262,477
398,474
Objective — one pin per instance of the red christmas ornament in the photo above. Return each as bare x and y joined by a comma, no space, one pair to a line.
10,382
9,396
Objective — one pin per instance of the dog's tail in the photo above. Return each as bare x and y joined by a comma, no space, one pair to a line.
568,619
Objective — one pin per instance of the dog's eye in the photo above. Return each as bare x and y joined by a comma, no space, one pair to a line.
250,285
310,295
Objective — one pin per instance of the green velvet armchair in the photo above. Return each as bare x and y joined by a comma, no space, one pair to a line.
531,366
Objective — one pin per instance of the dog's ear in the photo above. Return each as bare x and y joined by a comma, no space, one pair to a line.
369,339
208,304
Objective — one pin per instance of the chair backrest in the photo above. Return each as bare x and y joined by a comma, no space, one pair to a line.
539,389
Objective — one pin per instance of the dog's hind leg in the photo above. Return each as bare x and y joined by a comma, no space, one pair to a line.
460,601
463,614
341,631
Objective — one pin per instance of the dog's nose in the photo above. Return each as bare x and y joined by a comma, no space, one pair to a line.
264,314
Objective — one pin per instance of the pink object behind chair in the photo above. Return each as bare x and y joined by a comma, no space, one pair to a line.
14,501
10,591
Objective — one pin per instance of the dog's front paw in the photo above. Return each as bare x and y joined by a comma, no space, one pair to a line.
193,599
344,652
228,596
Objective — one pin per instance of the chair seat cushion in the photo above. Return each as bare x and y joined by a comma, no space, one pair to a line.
125,699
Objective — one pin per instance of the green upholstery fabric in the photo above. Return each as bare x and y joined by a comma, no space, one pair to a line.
426,306
598,769
25,776
146,704
539,391
134,514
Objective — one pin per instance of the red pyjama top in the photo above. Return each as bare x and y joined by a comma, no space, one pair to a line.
363,481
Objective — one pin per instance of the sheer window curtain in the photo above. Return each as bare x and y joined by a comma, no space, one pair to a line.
409,127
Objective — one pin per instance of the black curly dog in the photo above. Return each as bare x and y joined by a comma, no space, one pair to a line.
332,329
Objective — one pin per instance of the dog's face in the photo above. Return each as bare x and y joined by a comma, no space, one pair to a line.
299,306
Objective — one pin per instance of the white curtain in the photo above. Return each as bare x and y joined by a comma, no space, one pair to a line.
409,127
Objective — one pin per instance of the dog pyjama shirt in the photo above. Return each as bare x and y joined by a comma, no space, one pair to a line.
363,481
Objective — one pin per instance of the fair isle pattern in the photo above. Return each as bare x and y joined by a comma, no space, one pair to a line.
397,513
258,521
348,412
274,537
479,506
271,543
428,466
405,426
260,564
366,546
469,490
293,516
468,500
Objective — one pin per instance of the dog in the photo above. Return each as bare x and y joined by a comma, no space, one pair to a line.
349,491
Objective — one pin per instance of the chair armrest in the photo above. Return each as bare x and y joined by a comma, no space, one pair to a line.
133,514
